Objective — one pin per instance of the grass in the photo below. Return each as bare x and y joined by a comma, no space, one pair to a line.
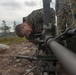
12,40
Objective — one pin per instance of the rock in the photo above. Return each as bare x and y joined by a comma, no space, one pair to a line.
18,60
3,46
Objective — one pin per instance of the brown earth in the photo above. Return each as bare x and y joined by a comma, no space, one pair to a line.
9,65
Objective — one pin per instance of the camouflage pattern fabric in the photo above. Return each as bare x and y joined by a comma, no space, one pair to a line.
36,19
64,16
73,4
65,19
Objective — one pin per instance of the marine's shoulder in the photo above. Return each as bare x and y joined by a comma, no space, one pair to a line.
38,10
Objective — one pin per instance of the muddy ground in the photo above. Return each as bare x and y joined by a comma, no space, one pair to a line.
9,65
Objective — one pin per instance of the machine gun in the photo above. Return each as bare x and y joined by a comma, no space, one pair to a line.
51,50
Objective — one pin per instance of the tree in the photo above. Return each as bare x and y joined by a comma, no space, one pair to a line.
5,28
4,23
14,25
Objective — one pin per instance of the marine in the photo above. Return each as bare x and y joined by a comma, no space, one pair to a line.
64,15
33,24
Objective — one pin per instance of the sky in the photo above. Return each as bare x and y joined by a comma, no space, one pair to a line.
15,10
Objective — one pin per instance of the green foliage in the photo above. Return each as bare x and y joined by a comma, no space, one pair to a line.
12,40
5,28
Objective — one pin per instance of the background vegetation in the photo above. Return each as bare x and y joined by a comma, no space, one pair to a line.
11,40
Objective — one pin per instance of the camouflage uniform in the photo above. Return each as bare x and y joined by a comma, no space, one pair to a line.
35,19
64,20
64,16
73,5
71,42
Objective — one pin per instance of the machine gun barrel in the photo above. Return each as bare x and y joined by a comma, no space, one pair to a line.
64,55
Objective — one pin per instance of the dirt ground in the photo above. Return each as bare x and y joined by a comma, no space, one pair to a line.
9,65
